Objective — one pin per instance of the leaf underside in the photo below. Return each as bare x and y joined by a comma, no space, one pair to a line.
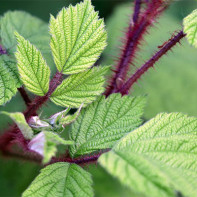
104,122
32,67
158,158
77,38
61,180
80,88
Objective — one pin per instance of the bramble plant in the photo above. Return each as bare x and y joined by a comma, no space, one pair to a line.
157,158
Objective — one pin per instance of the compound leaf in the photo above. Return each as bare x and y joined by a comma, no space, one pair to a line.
78,37
104,122
158,158
190,28
45,144
61,180
32,67
30,27
19,119
80,88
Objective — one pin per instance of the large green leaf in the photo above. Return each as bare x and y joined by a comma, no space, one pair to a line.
77,38
158,158
32,67
104,122
61,180
190,27
80,88
19,119
45,144
30,27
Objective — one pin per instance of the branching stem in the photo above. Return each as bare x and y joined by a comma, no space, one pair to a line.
139,25
150,63
40,100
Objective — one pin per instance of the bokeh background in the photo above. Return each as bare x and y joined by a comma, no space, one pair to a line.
170,87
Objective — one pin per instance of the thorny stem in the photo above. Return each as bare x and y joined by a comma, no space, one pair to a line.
150,63
24,95
134,36
136,11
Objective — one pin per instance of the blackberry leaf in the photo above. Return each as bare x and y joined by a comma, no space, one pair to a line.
61,180
158,158
80,88
32,67
104,122
78,37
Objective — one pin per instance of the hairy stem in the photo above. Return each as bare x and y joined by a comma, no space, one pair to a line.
137,10
134,36
150,63
24,95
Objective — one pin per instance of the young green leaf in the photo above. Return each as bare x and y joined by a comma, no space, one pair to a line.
45,144
104,122
19,119
9,79
190,27
78,37
31,28
70,118
61,180
80,88
158,158
32,67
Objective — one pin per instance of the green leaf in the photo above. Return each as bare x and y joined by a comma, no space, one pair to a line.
19,119
32,67
61,180
104,122
9,79
190,28
78,37
158,158
31,28
45,144
80,88
70,118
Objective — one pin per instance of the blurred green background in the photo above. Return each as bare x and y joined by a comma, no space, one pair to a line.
170,87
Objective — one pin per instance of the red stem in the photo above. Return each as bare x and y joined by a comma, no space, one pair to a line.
40,100
150,63
137,10
135,35
24,95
